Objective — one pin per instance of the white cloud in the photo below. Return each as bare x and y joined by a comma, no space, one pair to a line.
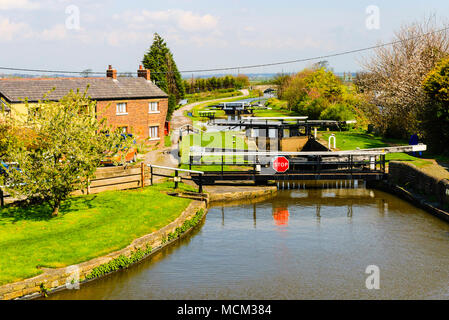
183,20
18,4
57,32
11,30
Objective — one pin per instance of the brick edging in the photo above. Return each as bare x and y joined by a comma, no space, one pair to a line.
55,279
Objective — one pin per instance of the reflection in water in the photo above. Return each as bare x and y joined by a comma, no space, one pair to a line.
323,250
280,216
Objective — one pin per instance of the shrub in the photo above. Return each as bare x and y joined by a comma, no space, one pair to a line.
338,112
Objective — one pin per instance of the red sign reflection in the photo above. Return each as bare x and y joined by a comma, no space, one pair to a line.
280,216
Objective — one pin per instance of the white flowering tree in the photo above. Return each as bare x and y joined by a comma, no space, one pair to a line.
394,75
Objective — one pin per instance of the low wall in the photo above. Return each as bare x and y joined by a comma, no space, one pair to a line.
56,279
293,144
238,193
410,177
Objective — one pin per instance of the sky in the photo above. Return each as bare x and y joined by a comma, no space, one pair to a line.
202,34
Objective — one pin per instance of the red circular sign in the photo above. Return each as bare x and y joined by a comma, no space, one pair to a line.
280,164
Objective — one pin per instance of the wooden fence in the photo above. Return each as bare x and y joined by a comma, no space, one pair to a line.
106,179
117,178
121,178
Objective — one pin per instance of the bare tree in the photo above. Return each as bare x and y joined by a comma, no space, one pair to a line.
394,75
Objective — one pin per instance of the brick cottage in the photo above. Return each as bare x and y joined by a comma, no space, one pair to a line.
136,105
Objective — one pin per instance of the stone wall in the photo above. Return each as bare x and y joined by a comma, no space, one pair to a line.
410,177
227,194
57,279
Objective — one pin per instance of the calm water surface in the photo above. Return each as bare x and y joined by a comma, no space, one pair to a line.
303,244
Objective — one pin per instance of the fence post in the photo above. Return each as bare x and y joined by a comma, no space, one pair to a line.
2,200
142,174
176,179
151,174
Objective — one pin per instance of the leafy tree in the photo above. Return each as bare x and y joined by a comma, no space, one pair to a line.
435,116
164,71
312,90
241,81
66,149
339,112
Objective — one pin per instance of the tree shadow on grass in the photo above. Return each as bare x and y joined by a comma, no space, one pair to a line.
35,211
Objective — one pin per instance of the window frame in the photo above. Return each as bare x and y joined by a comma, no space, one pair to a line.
150,137
150,107
117,110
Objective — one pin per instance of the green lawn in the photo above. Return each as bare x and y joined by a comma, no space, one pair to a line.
350,140
88,227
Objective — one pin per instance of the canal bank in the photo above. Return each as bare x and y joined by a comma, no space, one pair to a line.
424,190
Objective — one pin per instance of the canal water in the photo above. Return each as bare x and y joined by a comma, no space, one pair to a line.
302,244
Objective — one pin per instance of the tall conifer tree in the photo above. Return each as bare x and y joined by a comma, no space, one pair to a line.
164,72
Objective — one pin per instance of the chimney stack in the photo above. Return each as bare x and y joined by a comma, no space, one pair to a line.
144,73
111,73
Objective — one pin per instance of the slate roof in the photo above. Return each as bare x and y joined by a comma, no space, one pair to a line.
16,90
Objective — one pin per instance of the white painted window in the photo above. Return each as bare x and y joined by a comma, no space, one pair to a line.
121,108
153,107
153,132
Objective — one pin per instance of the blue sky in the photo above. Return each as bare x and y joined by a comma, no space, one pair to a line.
200,33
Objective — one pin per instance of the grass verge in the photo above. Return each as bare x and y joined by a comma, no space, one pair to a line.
88,227
351,140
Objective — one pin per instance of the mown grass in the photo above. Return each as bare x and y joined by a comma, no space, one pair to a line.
87,227
350,140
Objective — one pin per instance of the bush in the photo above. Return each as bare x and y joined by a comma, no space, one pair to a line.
338,112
